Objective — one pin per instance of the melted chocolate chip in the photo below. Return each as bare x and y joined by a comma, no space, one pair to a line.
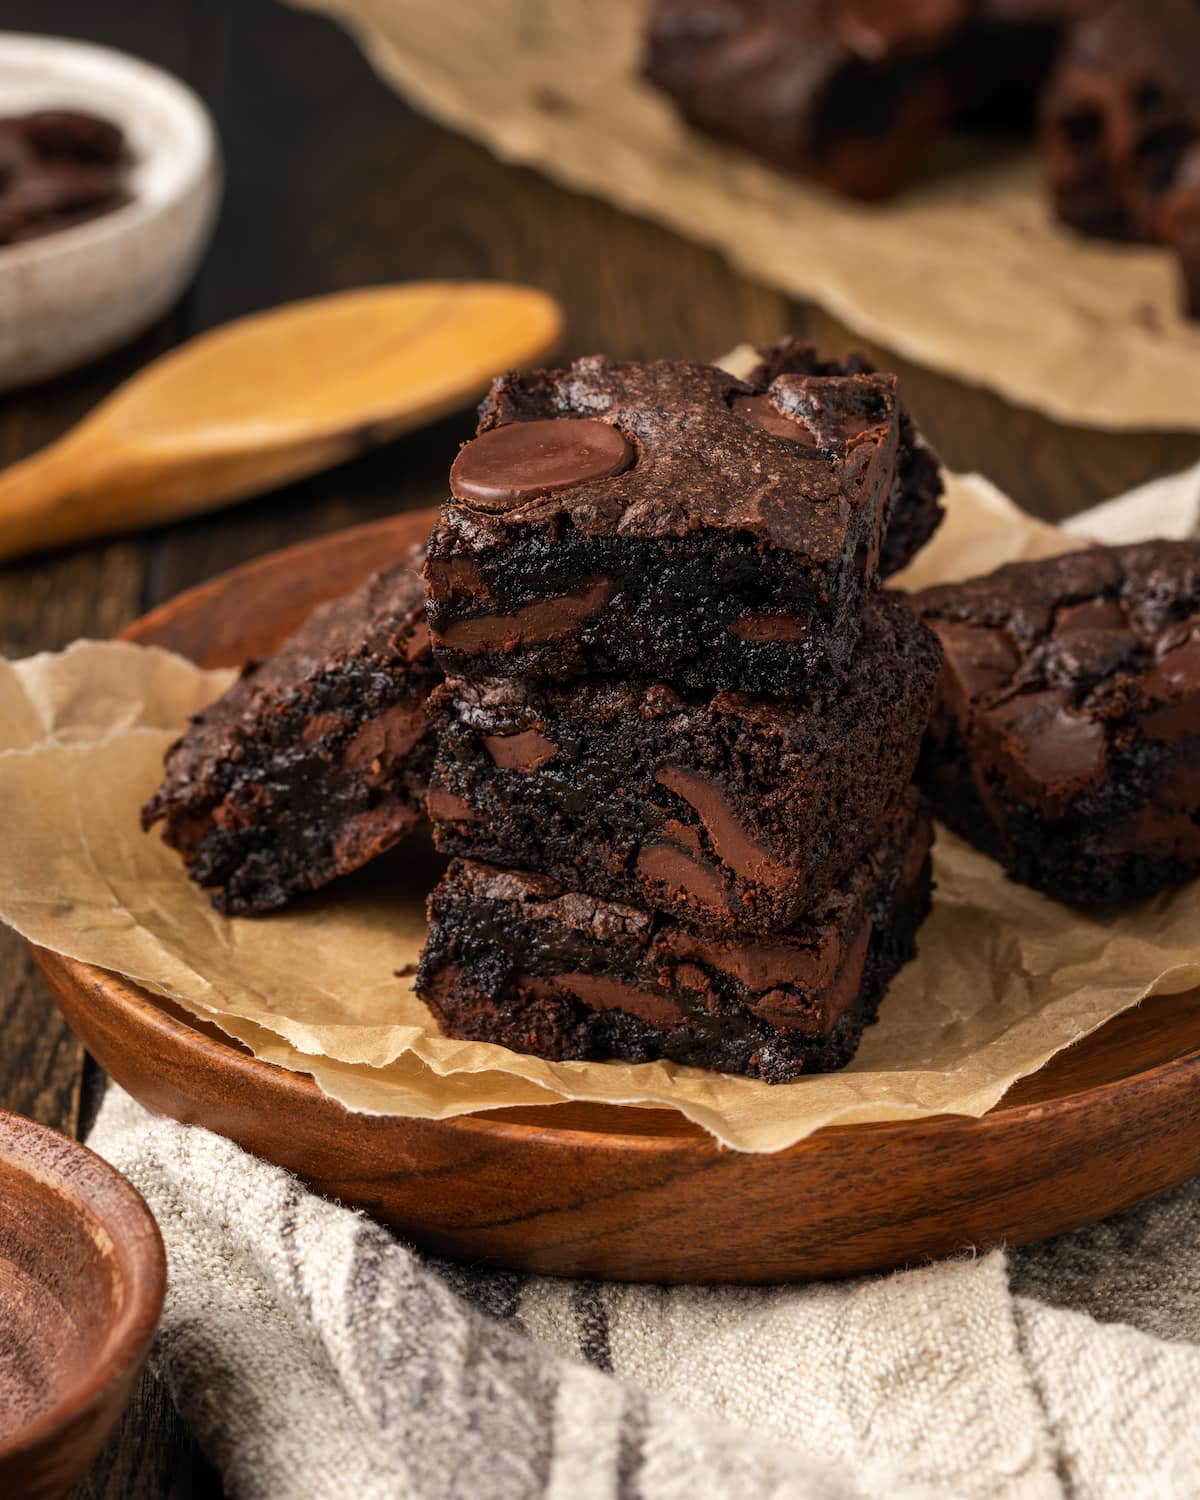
761,411
507,465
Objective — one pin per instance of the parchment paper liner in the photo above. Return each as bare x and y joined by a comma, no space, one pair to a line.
1005,978
967,272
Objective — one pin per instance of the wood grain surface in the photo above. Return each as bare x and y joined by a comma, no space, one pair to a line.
383,196
643,1195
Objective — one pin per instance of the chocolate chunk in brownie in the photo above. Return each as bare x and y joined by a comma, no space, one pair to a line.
1120,113
1065,739
736,814
57,168
848,93
515,959
916,509
664,519
316,760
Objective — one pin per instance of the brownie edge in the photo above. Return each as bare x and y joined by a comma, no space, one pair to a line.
316,760
514,959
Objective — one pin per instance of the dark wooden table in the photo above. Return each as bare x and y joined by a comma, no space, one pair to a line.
334,182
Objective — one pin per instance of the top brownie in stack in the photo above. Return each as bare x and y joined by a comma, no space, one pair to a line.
664,521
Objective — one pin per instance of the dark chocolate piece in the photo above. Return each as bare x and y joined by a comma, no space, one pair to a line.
513,958
733,813
316,760
57,168
1065,740
524,460
724,556
916,508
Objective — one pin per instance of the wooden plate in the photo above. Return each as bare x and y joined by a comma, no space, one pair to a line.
82,1276
632,1194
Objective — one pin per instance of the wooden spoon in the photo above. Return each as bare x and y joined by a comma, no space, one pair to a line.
269,398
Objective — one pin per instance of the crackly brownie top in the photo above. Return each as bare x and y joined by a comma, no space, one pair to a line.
1050,656
666,450
383,616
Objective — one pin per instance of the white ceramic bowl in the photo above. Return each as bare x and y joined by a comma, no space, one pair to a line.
69,296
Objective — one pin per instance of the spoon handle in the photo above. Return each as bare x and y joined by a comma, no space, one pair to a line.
88,484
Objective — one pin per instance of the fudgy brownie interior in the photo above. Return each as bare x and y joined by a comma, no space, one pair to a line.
736,813
514,959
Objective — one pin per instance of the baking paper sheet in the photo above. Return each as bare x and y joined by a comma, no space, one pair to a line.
966,272
1004,979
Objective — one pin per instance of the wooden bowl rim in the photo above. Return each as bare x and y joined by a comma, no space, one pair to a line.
489,1125
99,1192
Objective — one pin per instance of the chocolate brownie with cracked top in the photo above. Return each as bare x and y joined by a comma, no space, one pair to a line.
852,93
733,813
1065,739
316,760
665,518
916,510
513,958
1120,115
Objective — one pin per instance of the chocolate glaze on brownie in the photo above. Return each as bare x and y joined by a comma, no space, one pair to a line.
729,545
515,959
1065,740
57,168
316,760
916,508
733,813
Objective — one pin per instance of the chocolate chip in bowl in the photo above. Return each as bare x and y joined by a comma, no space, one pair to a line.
109,182
58,168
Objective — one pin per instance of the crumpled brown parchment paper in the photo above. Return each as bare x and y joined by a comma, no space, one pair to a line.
1005,977
966,272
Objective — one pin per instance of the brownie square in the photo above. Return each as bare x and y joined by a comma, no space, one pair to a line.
1065,739
916,510
515,959
622,519
848,94
1120,114
316,760
732,813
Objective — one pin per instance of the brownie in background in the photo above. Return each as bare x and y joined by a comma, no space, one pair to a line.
1065,741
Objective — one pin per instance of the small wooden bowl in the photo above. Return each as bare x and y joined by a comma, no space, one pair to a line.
82,1277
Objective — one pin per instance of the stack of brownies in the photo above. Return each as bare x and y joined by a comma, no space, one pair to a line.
679,724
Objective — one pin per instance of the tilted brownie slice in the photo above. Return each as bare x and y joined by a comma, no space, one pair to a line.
514,959
666,518
734,813
916,508
1065,740
1120,113
316,760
